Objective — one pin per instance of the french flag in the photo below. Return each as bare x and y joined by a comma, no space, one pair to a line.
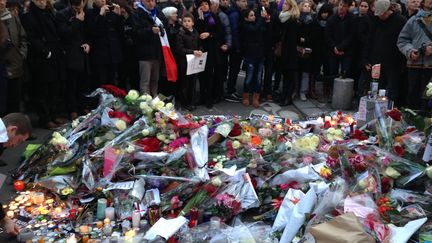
170,63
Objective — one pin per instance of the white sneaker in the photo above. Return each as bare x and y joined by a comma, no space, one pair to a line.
303,97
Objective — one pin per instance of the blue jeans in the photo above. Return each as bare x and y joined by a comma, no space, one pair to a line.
254,69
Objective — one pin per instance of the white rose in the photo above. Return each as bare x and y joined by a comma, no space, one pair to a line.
75,123
130,149
236,144
143,105
98,141
120,125
159,105
218,166
145,132
160,136
172,136
216,181
169,106
132,95
110,135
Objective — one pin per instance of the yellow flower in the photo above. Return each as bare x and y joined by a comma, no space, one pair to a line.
145,132
169,106
144,105
160,136
120,125
325,173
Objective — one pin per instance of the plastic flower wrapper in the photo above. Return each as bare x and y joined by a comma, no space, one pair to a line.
87,174
300,211
361,205
126,135
404,233
413,142
383,126
406,197
304,174
212,231
401,170
292,197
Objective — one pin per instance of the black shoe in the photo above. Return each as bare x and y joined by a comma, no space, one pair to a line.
286,102
232,97
189,107
3,163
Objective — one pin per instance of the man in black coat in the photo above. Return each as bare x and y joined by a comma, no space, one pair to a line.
381,48
339,35
104,25
45,55
148,23
71,28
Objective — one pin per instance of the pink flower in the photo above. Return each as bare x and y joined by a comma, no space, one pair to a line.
386,161
332,162
178,143
307,160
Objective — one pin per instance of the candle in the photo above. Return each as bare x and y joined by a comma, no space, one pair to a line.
58,210
101,206
107,221
10,214
109,213
19,185
99,224
333,123
327,118
38,198
271,118
84,229
136,217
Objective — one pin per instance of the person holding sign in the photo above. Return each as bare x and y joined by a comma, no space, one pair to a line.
188,42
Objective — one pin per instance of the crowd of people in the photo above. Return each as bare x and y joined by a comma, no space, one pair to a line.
53,53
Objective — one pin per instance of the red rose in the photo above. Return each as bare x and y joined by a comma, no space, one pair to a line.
211,189
385,184
236,130
359,135
150,144
395,114
114,90
399,150
410,130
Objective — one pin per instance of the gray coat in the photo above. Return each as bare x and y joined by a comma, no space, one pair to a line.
16,45
412,37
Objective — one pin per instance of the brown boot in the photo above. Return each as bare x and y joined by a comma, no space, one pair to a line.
245,99
255,100
312,92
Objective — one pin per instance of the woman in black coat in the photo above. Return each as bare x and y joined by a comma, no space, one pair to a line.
319,57
288,31
210,29
44,55
306,49
105,31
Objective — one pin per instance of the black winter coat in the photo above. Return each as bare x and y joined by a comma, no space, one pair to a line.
307,36
288,34
43,38
381,43
72,33
252,39
148,45
340,32
186,43
106,36
214,41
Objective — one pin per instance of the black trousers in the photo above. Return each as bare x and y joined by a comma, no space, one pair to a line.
418,78
104,74
221,74
235,59
268,72
77,86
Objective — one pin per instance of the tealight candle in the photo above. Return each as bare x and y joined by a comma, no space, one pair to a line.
10,214
13,207
19,185
38,198
99,224
58,210
84,229
101,206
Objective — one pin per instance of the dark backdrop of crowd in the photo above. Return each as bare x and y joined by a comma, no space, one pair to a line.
54,53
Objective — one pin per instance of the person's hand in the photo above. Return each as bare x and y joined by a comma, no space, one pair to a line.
368,67
117,9
10,227
104,9
156,30
263,13
224,48
197,53
204,35
86,48
414,55
200,13
80,16
428,51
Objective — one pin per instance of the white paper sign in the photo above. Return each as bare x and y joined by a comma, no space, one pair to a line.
196,64
427,156
362,110
165,228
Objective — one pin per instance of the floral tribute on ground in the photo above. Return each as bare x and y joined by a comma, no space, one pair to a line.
136,169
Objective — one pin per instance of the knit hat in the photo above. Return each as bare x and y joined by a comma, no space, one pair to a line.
381,6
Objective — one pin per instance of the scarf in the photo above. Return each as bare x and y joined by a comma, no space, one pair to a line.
424,14
209,18
5,15
306,18
323,23
284,16
170,64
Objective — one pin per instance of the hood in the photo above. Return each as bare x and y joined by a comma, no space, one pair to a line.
5,15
